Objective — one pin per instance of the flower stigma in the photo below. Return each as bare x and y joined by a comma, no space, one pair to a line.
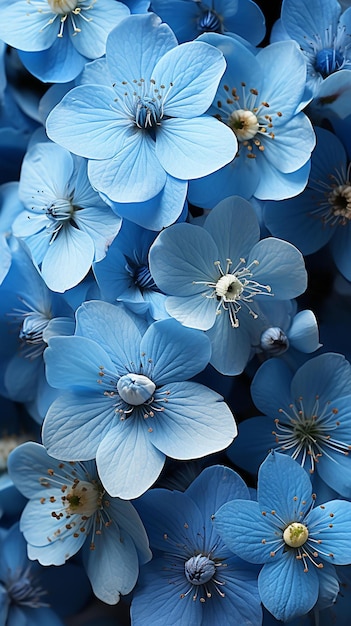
295,535
307,437
235,288
209,21
248,117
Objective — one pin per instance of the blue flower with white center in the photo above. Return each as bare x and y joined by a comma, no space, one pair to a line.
216,275
323,32
149,124
193,578
291,537
75,511
125,398
321,214
55,38
260,99
64,222
306,416
189,19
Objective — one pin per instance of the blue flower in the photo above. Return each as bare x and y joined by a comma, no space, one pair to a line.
64,222
216,276
55,38
149,123
69,508
189,19
323,34
124,274
23,600
193,578
306,415
260,98
288,534
126,399
322,213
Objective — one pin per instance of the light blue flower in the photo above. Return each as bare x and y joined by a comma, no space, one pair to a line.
306,415
126,399
288,534
68,508
193,578
260,98
64,223
323,32
149,123
189,19
55,38
217,274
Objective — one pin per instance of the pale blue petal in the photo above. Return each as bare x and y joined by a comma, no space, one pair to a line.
26,464
135,45
285,589
76,423
35,179
283,91
278,260
283,487
194,70
129,522
68,259
158,212
270,388
127,462
303,333
303,20
173,353
191,148
134,174
230,346
23,25
274,185
59,63
75,363
242,527
116,329
292,144
112,566
234,227
101,225
327,376
91,41
84,122
195,421
197,311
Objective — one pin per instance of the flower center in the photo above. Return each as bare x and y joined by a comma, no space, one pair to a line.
235,288
83,498
199,569
62,7
229,287
143,278
147,113
60,213
274,341
309,437
295,535
209,21
135,389
244,124
144,103
23,591
248,117
340,201
328,60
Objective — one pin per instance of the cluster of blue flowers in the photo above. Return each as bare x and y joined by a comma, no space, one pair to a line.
175,302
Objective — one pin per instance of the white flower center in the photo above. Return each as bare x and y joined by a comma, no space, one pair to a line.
229,287
83,499
135,389
295,535
244,124
62,7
